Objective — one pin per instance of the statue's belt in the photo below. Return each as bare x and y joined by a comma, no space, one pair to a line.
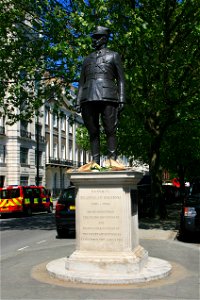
99,76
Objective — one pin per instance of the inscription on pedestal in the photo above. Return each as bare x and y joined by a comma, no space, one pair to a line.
101,219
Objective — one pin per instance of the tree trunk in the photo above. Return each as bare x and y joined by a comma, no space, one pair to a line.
181,175
158,206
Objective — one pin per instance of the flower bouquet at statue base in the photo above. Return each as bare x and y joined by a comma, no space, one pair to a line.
114,165
108,165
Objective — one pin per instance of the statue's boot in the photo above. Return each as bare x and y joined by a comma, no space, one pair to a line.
112,154
112,162
96,158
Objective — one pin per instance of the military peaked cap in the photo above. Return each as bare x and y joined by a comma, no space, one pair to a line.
100,30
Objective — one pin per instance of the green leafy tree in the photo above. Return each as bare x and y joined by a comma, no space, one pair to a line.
40,53
180,151
159,45
162,67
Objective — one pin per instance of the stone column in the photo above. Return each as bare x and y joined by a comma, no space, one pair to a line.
59,138
67,136
51,136
74,142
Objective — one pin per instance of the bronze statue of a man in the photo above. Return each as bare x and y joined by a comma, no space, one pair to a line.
101,93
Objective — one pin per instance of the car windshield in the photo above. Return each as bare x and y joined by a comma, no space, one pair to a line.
67,195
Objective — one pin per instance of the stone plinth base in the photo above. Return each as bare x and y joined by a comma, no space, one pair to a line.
154,269
108,262
107,243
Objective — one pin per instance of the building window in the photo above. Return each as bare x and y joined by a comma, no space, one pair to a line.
63,152
55,121
23,155
46,116
63,123
2,153
2,125
23,180
70,150
24,125
24,130
70,128
47,151
2,121
55,151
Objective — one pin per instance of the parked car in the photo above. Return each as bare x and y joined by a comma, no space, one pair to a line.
190,213
65,212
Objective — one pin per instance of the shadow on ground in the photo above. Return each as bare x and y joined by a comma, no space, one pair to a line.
193,238
41,221
170,223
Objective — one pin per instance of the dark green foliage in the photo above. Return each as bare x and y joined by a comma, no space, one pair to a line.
159,44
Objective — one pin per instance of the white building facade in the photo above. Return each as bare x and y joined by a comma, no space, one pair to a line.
18,152
41,151
62,151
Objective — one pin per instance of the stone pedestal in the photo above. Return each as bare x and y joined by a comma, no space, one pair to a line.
107,241
106,225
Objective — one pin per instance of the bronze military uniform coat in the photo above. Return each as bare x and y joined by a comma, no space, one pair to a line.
102,78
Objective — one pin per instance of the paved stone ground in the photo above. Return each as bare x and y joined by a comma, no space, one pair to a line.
168,229
170,223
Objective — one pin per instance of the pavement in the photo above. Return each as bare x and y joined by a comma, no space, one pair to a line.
161,229
181,284
161,239
157,234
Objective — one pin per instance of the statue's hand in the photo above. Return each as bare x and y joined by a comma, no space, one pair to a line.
121,107
78,109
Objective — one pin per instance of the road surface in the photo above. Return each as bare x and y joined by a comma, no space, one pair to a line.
28,244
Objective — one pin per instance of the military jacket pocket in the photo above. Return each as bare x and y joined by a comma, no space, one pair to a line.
110,90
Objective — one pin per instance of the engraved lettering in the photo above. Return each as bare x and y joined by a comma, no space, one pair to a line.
100,218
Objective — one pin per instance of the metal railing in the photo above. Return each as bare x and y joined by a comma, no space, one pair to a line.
62,162
42,139
25,134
